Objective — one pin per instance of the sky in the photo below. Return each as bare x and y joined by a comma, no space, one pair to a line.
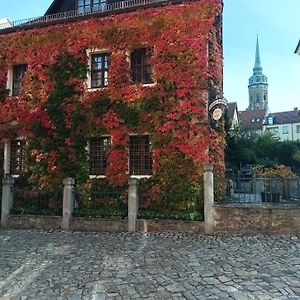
276,23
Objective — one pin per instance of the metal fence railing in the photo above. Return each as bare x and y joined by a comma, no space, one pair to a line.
77,13
101,201
253,190
30,201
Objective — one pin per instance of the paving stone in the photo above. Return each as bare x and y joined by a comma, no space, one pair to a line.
99,266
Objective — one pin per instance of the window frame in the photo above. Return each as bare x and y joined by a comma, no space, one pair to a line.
12,79
90,53
93,6
140,161
140,60
103,70
285,129
98,156
298,128
17,157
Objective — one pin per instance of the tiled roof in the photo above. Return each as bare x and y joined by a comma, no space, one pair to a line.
286,117
252,119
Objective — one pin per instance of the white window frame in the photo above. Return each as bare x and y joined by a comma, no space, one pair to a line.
10,77
90,53
7,158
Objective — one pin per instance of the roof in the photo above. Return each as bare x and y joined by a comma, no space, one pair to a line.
231,108
252,119
61,12
286,117
297,51
52,7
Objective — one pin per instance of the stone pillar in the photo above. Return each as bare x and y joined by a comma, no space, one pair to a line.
7,199
208,199
132,204
68,202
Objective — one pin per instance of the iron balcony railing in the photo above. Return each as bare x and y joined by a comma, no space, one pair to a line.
69,15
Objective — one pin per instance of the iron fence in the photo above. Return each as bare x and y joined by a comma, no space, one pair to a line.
254,190
75,14
31,201
101,201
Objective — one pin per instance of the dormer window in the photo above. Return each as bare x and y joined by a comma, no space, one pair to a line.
270,120
88,6
18,75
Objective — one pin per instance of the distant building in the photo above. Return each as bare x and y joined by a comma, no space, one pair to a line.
258,85
232,116
284,125
251,121
297,51
5,23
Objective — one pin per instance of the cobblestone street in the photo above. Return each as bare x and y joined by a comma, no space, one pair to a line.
58,265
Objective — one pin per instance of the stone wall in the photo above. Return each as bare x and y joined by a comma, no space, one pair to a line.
34,222
103,225
276,220
98,225
273,220
170,225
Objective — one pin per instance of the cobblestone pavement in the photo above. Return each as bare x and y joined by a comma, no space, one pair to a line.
72,266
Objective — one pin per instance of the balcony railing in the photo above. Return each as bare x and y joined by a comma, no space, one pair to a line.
103,9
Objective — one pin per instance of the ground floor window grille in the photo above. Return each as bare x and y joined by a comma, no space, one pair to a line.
98,155
140,157
18,157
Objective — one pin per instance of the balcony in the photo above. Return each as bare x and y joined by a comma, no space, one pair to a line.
118,7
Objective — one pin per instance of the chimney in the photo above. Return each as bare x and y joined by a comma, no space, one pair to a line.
295,109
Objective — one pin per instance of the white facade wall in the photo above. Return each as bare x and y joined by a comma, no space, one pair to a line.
284,132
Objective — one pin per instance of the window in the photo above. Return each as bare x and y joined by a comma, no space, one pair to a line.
98,155
99,70
253,121
285,129
140,158
298,128
17,157
270,120
18,75
141,70
274,131
87,6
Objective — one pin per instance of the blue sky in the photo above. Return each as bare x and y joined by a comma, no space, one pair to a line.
277,25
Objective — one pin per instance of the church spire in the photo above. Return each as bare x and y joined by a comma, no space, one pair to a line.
257,66
258,85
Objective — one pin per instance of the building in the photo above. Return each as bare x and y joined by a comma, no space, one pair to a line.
258,85
251,121
112,88
297,50
284,126
233,117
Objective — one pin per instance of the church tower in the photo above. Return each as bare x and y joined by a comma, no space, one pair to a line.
258,85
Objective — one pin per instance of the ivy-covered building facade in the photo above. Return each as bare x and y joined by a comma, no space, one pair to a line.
112,89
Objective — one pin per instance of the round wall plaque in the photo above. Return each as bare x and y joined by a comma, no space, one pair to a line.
217,114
